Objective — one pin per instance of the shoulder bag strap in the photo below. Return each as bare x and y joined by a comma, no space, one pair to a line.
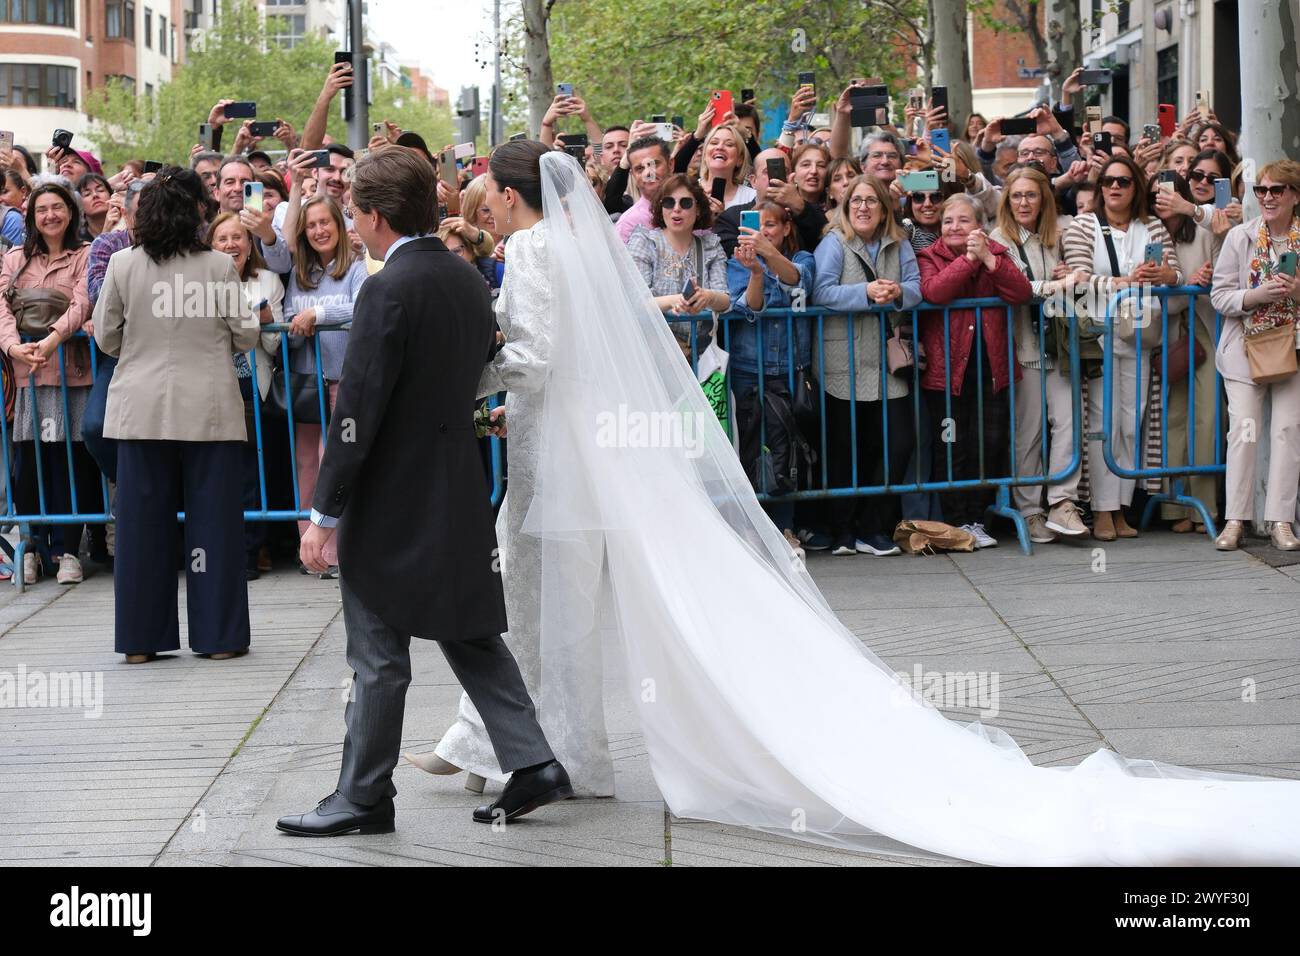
1110,251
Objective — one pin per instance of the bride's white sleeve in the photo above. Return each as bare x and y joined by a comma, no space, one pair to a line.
523,361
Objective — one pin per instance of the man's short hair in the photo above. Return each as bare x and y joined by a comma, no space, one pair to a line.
881,136
615,129
341,150
206,156
398,183
230,161
1118,122
648,142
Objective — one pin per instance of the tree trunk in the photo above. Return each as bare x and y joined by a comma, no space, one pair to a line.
1064,46
537,62
952,57
1270,85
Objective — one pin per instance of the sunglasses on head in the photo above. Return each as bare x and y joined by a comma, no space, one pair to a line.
671,202
932,198
1123,182
1276,191
1197,176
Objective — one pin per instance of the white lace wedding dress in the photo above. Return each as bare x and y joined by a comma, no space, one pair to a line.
574,722
758,707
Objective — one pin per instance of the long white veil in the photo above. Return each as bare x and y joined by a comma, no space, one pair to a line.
758,706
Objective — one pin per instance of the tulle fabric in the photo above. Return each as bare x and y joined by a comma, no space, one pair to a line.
758,707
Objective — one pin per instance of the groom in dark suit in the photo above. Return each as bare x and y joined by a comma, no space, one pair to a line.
403,481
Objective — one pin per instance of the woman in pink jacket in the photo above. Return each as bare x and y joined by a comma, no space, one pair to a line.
52,257
965,264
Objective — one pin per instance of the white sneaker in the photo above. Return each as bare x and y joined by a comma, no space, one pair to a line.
982,538
69,570
31,567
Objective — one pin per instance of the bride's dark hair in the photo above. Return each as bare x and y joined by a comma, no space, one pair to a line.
517,164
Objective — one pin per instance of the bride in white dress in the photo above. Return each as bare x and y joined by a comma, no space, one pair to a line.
758,707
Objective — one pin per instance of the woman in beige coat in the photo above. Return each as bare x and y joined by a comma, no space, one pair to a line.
1252,292
173,312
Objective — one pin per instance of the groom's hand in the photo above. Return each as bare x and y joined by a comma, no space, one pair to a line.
311,550
498,419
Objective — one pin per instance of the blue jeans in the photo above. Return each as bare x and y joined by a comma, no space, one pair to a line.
103,450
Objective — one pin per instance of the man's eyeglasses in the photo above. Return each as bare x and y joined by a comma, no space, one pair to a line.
883,154
920,199
1276,191
1123,182
857,202
1026,152
685,203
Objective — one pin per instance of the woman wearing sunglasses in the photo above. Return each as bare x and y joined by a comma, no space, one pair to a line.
1201,172
671,252
921,214
1027,226
1110,246
1255,290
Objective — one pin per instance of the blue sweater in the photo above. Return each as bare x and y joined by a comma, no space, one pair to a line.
332,299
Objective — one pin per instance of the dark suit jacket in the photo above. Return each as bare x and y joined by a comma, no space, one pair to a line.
402,467
808,224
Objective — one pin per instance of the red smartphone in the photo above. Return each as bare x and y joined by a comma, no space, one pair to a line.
722,105
480,166
1168,118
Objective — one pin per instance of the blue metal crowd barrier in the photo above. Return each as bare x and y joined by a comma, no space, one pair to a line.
1176,475
887,317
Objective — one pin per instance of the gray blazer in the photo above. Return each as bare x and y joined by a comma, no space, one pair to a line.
174,326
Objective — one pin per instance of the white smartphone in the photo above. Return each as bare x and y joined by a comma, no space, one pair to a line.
253,197
464,150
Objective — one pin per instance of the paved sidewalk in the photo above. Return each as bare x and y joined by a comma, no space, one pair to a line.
1159,648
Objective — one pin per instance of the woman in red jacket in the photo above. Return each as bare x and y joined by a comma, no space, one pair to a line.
965,264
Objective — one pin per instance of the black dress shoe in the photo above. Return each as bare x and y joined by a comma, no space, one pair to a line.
337,815
525,792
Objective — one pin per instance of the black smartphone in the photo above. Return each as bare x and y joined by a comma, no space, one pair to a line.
746,95
805,79
659,118
868,116
575,144
718,189
679,122
1019,126
1101,142
152,166
939,97
263,128
243,109
1095,77
861,97
63,139
320,158
776,169
343,56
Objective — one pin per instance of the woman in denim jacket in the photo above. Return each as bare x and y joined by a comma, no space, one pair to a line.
769,271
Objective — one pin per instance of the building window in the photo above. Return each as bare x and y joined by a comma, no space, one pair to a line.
50,13
37,84
162,35
148,29
148,90
119,19
1167,77
121,79
287,31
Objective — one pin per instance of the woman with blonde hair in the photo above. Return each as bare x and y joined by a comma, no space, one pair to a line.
1255,294
723,156
1027,226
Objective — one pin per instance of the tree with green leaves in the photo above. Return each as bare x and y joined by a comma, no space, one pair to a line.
630,61
236,60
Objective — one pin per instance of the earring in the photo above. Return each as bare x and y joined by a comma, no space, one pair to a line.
509,209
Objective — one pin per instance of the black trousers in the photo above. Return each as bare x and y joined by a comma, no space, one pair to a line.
962,435
155,480
870,514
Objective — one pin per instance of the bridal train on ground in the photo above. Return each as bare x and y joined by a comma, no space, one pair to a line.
758,707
